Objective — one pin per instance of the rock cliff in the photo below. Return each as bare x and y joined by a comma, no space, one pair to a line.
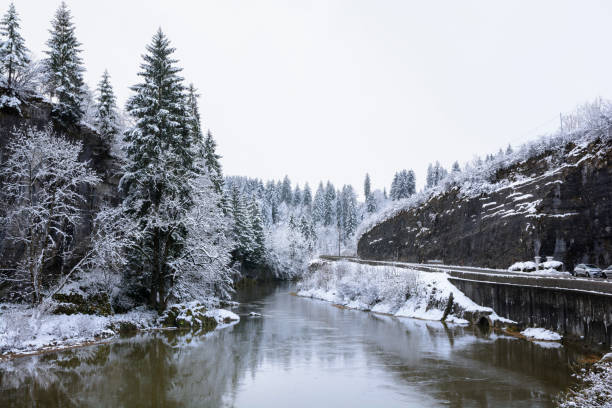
544,206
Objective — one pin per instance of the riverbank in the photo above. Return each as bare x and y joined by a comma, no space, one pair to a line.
394,291
25,330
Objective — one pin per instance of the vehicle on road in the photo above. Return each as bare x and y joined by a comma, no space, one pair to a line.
607,273
587,270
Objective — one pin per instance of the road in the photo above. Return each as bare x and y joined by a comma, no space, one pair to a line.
498,276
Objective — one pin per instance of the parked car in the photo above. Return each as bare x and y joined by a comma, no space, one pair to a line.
607,273
588,270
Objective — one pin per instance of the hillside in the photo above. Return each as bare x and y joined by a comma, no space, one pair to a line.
556,201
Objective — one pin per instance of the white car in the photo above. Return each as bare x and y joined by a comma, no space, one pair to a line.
587,270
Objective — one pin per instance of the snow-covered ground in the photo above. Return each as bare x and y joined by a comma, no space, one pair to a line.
386,289
594,388
26,330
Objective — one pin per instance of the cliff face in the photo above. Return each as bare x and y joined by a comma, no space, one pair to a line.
563,211
95,150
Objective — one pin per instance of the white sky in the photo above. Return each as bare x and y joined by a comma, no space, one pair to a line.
334,89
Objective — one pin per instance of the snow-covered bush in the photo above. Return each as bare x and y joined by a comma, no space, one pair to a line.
385,289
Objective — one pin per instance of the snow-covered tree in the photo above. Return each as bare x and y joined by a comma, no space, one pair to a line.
212,162
347,211
328,204
404,185
285,191
258,249
43,189
297,196
64,68
162,159
202,270
14,56
318,206
367,188
307,198
243,233
106,112
456,168
370,200
435,174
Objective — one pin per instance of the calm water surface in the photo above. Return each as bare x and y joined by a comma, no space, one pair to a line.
300,353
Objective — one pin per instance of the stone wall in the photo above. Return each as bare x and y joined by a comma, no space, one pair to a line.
574,313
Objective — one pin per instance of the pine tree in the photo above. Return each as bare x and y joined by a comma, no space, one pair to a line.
106,118
456,168
318,206
307,197
65,68
404,185
297,196
347,212
257,253
369,198
211,159
328,207
509,149
162,160
14,55
285,192
195,126
243,233
394,187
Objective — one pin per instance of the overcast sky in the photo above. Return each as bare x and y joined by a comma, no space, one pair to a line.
334,89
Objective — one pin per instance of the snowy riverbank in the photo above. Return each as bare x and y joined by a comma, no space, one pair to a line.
395,291
26,330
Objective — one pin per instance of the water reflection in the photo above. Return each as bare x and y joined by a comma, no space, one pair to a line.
299,353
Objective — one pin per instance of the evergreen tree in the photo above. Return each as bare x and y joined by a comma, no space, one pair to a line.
297,196
509,149
272,200
195,126
257,253
307,197
65,68
404,185
106,117
243,233
211,158
347,210
14,56
318,207
367,187
285,192
370,200
456,168
328,206
394,186
162,161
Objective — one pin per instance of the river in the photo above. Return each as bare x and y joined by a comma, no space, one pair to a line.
299,353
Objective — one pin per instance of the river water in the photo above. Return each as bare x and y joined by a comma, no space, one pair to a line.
299,353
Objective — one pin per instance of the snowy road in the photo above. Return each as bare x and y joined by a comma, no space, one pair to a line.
563,282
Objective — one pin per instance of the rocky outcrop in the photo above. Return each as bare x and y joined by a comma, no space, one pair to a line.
96,151
73,303
562,210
